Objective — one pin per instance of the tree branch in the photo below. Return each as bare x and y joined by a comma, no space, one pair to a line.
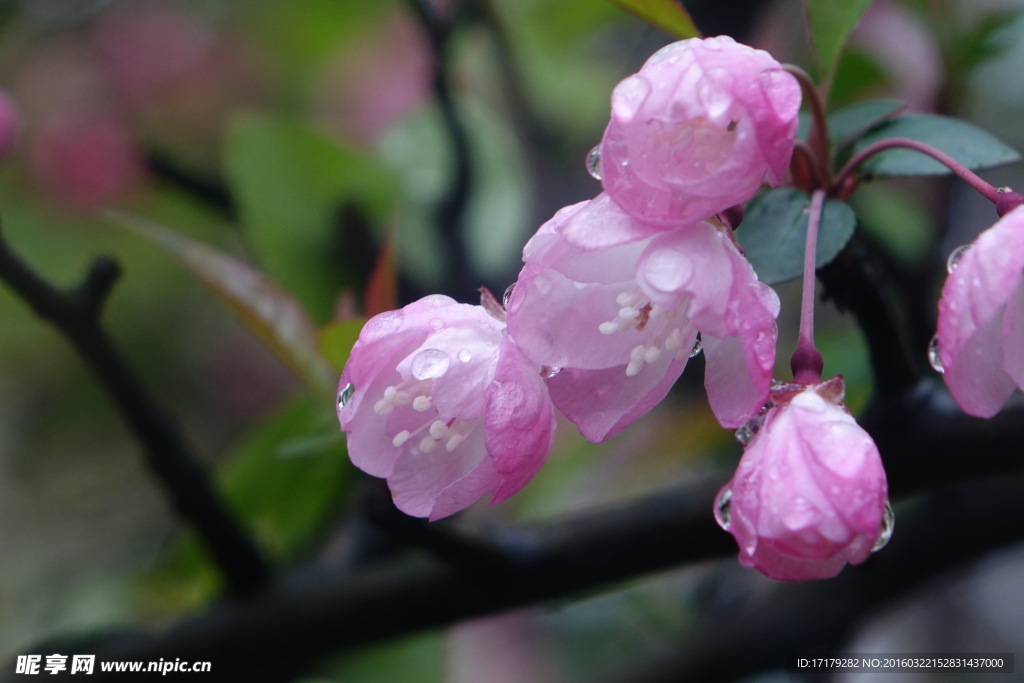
76,314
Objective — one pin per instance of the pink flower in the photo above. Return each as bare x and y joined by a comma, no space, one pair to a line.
617,305
697,130
981,319
809,494
436,399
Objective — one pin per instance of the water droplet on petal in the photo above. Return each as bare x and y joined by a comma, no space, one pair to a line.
345,395
437,324
723,509
465,356
746,433
955,256
888,524
547,372
430,364
507,295
594,162
933,355
697,346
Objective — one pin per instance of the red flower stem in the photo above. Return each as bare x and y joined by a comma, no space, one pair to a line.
970,177
807,362
818,137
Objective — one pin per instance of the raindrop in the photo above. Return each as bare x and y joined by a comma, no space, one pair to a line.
745,434
507,295
955,256
888,524
594,162
723,509
465,356
345,395
933,354
547,372
436,324
430,364
697,346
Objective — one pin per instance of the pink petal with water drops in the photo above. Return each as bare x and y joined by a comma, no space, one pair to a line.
697,130
978,338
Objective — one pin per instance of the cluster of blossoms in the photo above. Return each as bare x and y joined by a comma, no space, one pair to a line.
450,402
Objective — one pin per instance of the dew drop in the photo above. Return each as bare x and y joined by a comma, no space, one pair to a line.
547,372
888,524
430,364
723,509
465,356
697,347
594,162
507,295
746,433
345,395
955,256
437,324
933,355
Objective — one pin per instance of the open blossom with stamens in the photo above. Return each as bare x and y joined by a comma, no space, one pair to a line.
617,305
809,494
981,319
436,399
697,130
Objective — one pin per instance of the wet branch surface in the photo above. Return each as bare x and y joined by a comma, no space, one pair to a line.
323,608
76,314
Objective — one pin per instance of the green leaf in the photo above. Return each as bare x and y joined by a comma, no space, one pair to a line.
414,659
285,478
851,121
774,230
968,144
667,15
273,315
896,219
290,182
830,23
858,76
337,340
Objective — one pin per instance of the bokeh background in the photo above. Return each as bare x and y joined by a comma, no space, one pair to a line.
307,139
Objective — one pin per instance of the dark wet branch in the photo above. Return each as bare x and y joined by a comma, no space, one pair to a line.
210,192
462,280
856,282
76,314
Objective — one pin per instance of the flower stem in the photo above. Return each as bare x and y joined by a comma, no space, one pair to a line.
807,363
949,162
819,127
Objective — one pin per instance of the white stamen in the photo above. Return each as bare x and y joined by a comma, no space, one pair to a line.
637,355
454,442
628,313
428,444
421,403
400,438
652,354
438,429
383,407
389,393
634,367
627,298
402,398
655,311
608,328
673,342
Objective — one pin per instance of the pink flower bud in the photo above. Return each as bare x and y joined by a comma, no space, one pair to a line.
698,129
809,494
436,399
617,306
980,336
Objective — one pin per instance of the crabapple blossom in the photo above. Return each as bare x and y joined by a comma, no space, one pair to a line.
616,304
436,399
809,494
980,334
697,130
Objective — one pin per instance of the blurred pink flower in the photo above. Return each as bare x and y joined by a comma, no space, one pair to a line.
8,124
617,304
86,163
809,494
981,319
697,130
436,399
377,79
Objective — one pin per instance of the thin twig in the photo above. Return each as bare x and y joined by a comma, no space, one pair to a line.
970,177
76,314
819,123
